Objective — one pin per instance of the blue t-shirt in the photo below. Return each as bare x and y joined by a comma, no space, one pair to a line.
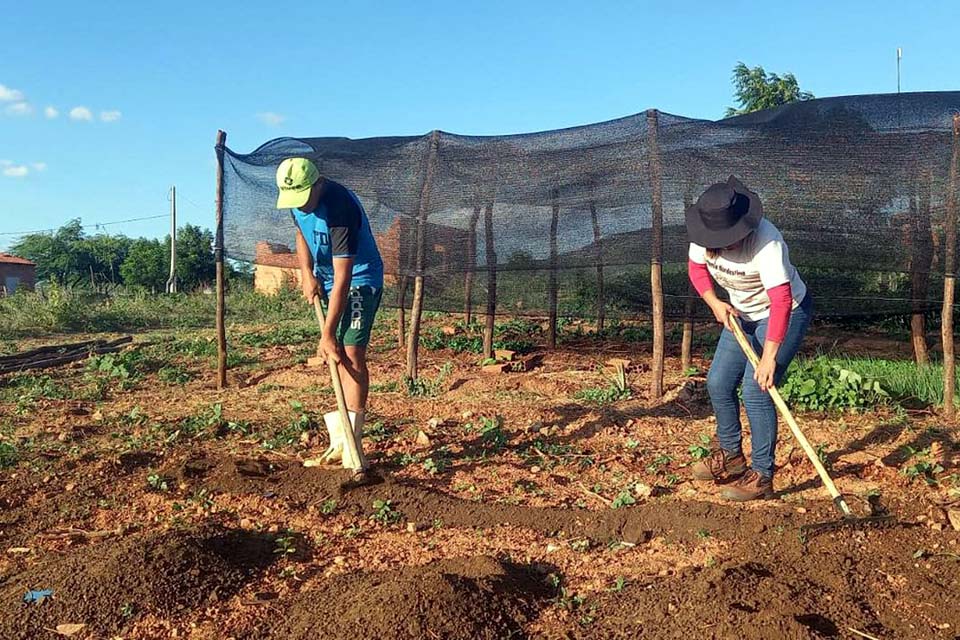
339,229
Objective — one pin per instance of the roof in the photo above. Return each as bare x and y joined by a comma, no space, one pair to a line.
6,258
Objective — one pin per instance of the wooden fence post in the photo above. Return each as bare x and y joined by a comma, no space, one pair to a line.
598,244
402,311
552,278
921,258
491,281
949,280
471,265
416,310
218,258
656,254
686,342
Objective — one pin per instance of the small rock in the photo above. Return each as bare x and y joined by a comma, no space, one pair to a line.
70,486
663,573
448,331
551,548
433,423
534,469
18,550
799,509
505,355
412,527
642,490
97,416
273,529
63,437
339,560
305,437
937,526
245,523
423,439
494,369
953,515
466,415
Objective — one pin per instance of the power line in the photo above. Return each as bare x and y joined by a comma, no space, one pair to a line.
95,225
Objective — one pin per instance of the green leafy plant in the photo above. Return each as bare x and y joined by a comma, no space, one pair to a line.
823,385
384,513
700,449
624,499
492,435
658,463
174,374
423,387
158,483
602,395
9,456
922,465
619,584
438,462
328,507
285,545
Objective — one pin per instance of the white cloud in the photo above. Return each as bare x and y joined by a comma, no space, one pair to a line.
110,116
270,118
10,95
81,113
51,113
19,109
39,166
6,163
16,171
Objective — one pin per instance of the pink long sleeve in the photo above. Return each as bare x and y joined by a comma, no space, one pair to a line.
699,276
781,303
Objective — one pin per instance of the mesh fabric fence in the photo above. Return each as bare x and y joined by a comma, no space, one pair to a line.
858,186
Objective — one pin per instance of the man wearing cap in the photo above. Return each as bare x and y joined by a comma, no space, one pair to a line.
733,244
336,250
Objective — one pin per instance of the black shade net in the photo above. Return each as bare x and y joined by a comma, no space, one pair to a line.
858,186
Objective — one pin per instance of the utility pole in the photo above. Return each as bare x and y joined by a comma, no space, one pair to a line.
172,280
899,57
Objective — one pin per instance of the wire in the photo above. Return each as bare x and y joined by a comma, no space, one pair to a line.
94,225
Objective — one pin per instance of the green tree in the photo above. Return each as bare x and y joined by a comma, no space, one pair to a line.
195,263
755,89
146,265
59,256
105,253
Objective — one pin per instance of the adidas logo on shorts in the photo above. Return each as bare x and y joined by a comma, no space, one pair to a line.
356,309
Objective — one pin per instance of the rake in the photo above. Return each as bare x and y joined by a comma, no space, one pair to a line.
878,516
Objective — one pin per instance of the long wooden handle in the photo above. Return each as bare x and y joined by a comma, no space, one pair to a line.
351,453
781,405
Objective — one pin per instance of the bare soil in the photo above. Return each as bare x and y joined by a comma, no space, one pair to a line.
501,506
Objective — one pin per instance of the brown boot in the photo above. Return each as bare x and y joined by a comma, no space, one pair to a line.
720,466
750,486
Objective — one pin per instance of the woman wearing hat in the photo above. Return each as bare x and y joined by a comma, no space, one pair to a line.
732,243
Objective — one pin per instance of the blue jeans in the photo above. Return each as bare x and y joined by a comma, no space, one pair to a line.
730,367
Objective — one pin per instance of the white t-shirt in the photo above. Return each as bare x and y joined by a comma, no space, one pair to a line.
761,262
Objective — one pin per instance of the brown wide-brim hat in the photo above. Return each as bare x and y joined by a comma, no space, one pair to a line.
724,214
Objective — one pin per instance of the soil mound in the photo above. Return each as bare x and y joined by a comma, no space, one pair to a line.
870,582
478,598
107,585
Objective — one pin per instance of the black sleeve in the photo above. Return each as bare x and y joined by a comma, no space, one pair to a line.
343,219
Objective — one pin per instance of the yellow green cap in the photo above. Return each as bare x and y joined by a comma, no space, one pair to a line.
295,176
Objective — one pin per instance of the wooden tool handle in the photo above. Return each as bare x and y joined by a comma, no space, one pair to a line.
351,453
781,405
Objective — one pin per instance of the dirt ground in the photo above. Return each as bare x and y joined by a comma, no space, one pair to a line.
501,506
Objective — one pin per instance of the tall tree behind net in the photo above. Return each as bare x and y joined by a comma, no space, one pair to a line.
858,185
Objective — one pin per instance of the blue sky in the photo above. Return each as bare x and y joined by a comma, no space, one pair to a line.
138,90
